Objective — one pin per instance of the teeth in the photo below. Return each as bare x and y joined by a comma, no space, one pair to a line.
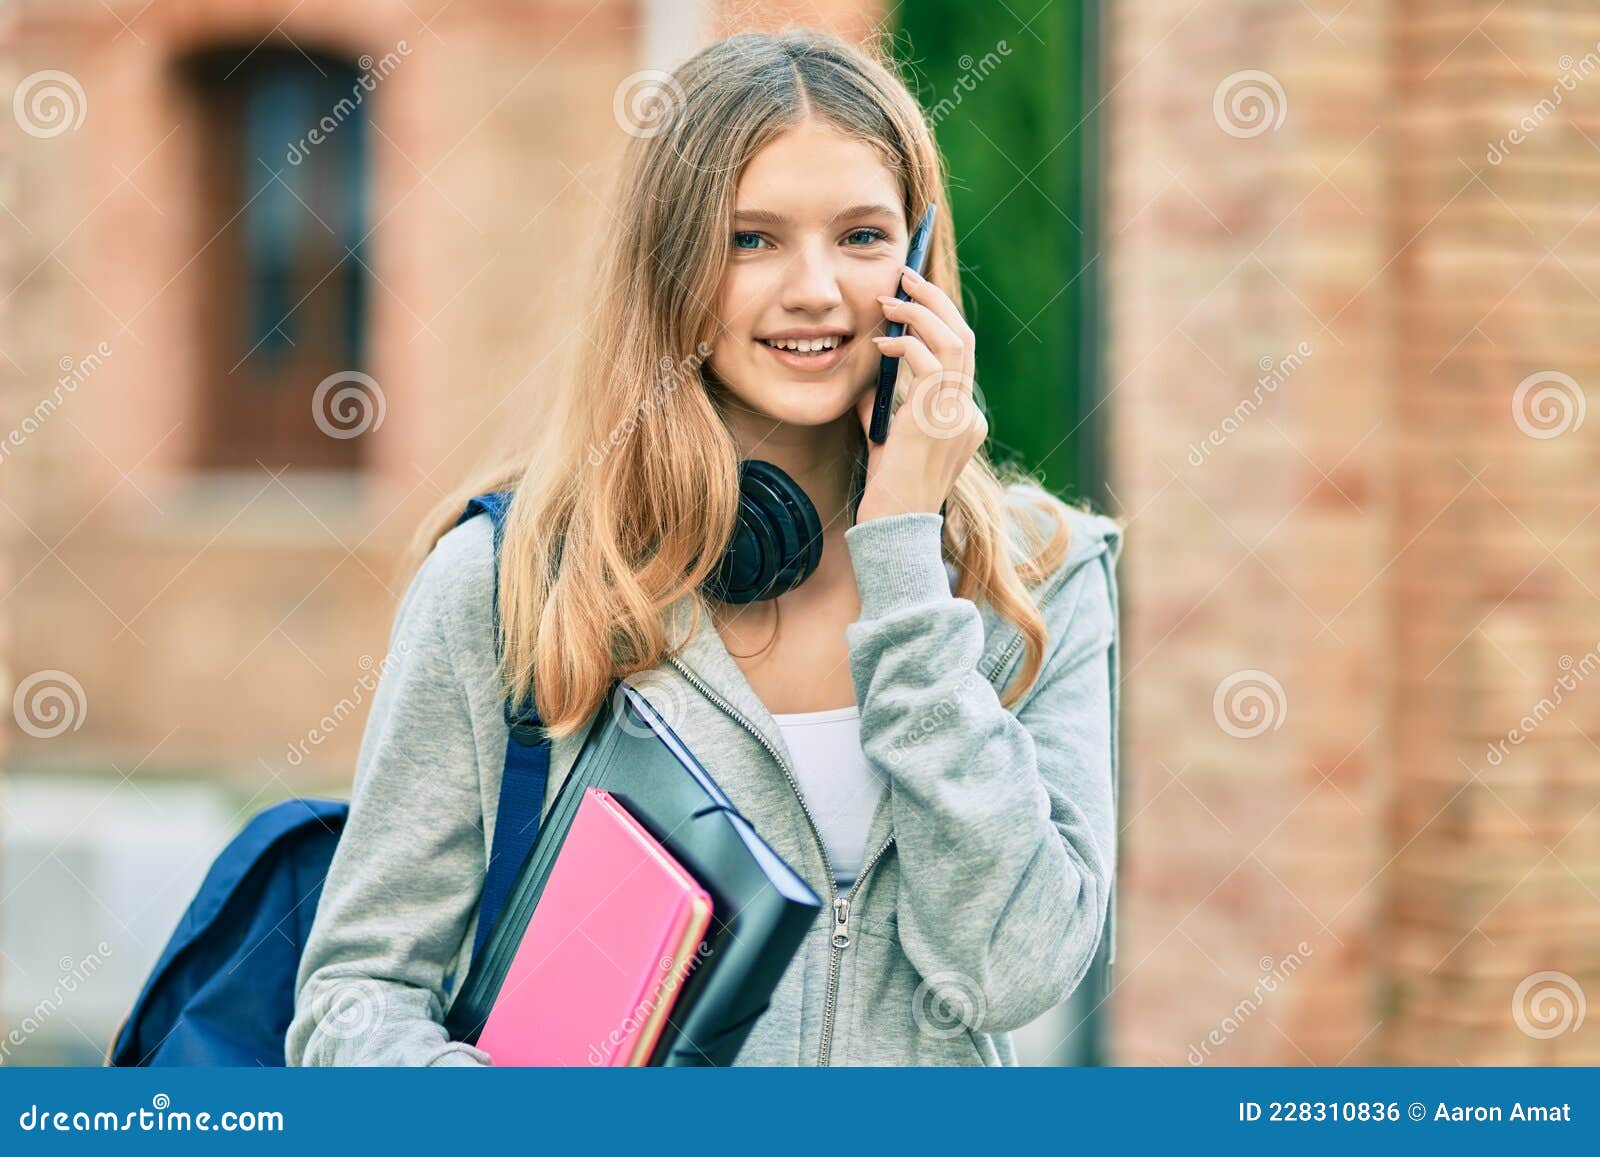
806,345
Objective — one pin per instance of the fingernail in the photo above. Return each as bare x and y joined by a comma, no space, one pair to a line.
911,273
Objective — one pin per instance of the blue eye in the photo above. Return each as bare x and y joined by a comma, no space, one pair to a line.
752,236
871,234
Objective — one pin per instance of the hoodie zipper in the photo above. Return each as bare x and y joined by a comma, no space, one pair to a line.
1005,657
841,941
839,904
1017,636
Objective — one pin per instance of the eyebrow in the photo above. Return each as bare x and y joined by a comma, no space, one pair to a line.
766,217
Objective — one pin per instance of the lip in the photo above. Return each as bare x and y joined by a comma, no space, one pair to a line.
808,363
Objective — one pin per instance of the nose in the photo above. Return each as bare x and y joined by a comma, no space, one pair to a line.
811,284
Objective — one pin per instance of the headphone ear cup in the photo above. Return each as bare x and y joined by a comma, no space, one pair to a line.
793,522
749,562
810,529
777,542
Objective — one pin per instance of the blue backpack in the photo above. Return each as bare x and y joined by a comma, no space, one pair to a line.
222,992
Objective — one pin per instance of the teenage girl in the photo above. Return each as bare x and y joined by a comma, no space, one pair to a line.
921,723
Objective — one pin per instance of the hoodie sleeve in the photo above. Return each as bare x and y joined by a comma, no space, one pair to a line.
399,893
1005,824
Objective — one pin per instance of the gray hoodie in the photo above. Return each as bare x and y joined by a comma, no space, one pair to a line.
990,859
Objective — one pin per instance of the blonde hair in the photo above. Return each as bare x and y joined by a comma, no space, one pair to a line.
595,552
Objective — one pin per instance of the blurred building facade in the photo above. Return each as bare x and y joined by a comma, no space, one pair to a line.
1354,258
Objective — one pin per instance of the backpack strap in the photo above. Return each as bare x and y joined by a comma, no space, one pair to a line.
527,765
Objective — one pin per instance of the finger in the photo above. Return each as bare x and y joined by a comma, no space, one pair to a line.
926,293
945,411
914,352
925,366
927,324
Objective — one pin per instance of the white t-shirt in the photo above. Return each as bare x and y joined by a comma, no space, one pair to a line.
841,787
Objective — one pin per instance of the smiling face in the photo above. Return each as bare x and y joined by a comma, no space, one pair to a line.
819,232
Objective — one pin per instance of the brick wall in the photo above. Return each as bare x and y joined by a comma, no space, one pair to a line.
1497,869
1350,567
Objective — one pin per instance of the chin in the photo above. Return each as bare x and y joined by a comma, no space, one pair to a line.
805,405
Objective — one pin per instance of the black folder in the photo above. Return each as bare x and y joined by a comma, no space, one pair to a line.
761,907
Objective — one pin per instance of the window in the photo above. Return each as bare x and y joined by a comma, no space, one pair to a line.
285,182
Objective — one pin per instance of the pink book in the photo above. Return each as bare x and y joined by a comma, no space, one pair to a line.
605,951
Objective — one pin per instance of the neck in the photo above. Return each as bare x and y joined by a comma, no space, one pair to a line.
819,458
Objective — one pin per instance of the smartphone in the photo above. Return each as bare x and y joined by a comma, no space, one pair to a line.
889,368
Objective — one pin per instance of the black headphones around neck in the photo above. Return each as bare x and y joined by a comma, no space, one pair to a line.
777,537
